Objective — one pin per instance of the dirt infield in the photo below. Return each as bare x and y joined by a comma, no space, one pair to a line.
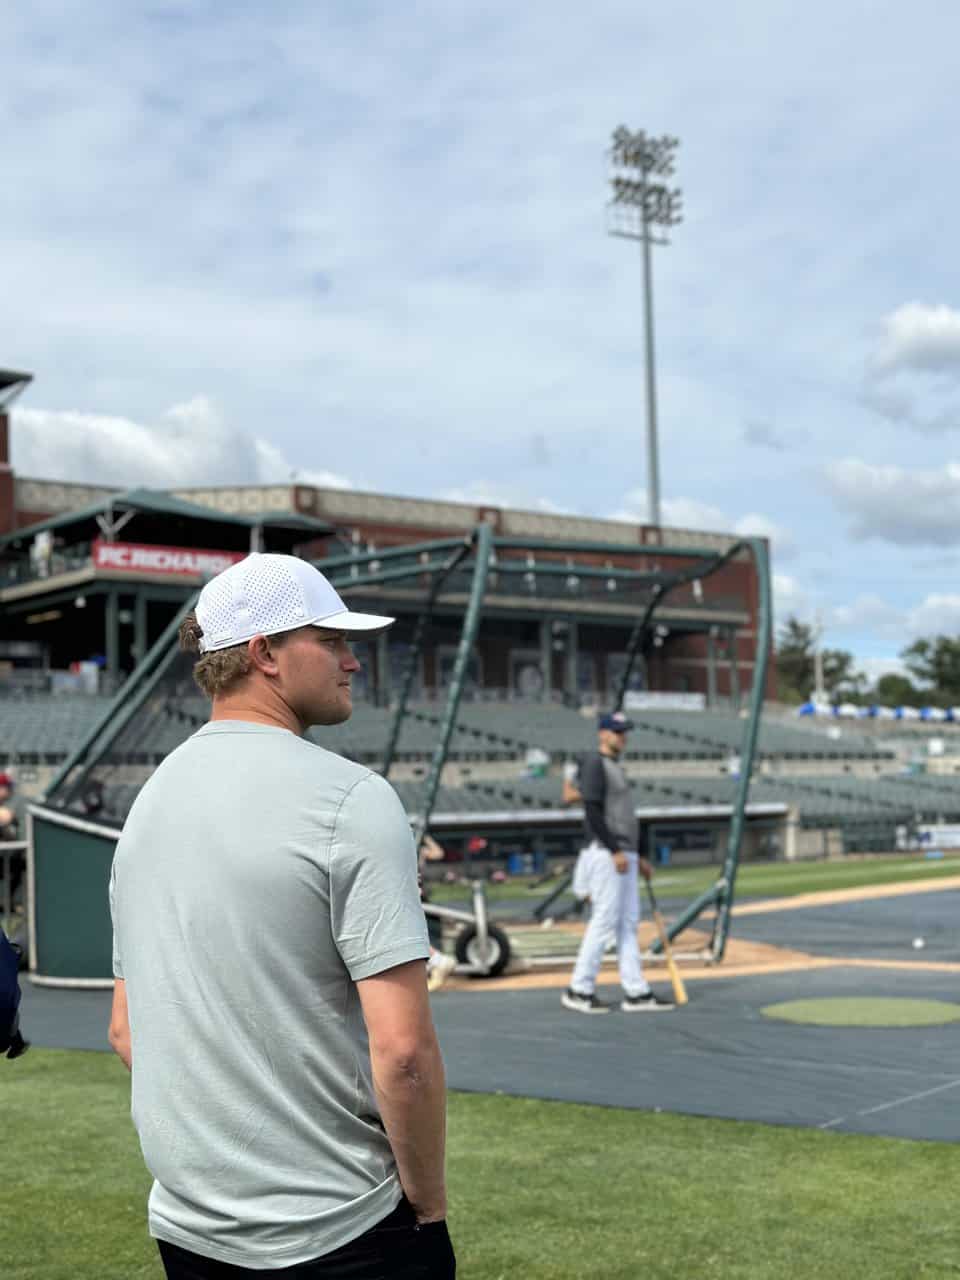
742,958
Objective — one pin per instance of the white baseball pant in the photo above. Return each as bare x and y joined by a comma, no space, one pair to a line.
615,910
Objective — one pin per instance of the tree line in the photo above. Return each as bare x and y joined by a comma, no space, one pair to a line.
933,663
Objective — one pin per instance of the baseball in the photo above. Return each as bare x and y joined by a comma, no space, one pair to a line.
918,944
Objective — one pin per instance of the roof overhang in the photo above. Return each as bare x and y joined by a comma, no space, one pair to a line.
160,504
12,383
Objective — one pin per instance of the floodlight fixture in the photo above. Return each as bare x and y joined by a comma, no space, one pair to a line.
640,204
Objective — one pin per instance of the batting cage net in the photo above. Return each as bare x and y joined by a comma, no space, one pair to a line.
159,705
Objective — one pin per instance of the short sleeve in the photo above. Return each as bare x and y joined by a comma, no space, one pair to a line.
593,780
117,968
375,909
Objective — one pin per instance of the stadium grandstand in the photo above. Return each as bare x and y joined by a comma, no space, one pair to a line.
91,580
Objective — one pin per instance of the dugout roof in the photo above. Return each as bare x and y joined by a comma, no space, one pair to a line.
157,516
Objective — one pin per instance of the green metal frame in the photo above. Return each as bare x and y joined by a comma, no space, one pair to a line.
720,895
422,561
128,700
416,646
482,546
436,561
662,585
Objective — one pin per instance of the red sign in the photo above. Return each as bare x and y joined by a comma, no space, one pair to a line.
137,557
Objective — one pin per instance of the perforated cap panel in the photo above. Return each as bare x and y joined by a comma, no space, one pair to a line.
266,594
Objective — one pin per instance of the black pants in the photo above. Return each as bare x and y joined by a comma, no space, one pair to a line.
395,1249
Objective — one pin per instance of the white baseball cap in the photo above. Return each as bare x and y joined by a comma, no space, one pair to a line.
265,594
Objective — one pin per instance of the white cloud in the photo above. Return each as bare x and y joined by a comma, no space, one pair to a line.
896,504
866,610
483,494
189,445
676,513
755,525
689,513
913,372
918,336
937,614
790,599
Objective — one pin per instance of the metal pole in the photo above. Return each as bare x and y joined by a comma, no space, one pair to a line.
712,668
111,633
653,461
126,692
383,670
819,694
122,716
734,669
572,665
482,541
416,646
546,656
139,626
637,637
721,892
721,925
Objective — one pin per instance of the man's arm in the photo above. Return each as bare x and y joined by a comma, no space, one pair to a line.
119,1031
409,1082
593,784
593,789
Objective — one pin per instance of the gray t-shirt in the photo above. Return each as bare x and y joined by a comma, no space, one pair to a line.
258,877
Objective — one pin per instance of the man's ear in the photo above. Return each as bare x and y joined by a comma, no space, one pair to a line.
263,655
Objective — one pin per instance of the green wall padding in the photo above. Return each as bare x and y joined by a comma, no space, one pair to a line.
71,882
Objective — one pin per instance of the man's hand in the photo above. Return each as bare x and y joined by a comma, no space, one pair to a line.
620,861
645,869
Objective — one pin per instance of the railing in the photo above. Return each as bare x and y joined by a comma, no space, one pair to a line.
16,573
38,682
35,682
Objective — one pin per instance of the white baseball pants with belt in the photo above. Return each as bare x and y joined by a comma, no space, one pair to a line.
614,910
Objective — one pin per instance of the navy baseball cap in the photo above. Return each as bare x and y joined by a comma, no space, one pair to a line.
616,721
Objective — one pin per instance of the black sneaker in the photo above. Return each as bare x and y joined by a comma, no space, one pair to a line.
580,1003
18,1045
648,1003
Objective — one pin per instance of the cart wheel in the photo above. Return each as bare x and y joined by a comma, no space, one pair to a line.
497,956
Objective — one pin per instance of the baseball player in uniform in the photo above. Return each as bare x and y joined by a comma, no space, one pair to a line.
607,871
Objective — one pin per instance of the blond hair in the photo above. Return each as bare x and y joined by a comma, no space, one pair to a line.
217,672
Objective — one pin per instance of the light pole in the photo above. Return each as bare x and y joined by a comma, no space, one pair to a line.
819,693
637,205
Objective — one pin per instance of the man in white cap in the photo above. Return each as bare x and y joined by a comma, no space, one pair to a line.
270,996
606,872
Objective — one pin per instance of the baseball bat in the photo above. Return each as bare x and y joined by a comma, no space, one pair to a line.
679,990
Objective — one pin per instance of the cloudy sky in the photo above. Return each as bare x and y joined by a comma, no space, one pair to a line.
364,242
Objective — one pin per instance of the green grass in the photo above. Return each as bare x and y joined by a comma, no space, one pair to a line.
767,879
865,1011
538,1191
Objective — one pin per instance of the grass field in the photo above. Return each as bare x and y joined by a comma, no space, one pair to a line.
539,1191
762,879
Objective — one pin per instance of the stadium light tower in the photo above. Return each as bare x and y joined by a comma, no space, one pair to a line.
642,201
